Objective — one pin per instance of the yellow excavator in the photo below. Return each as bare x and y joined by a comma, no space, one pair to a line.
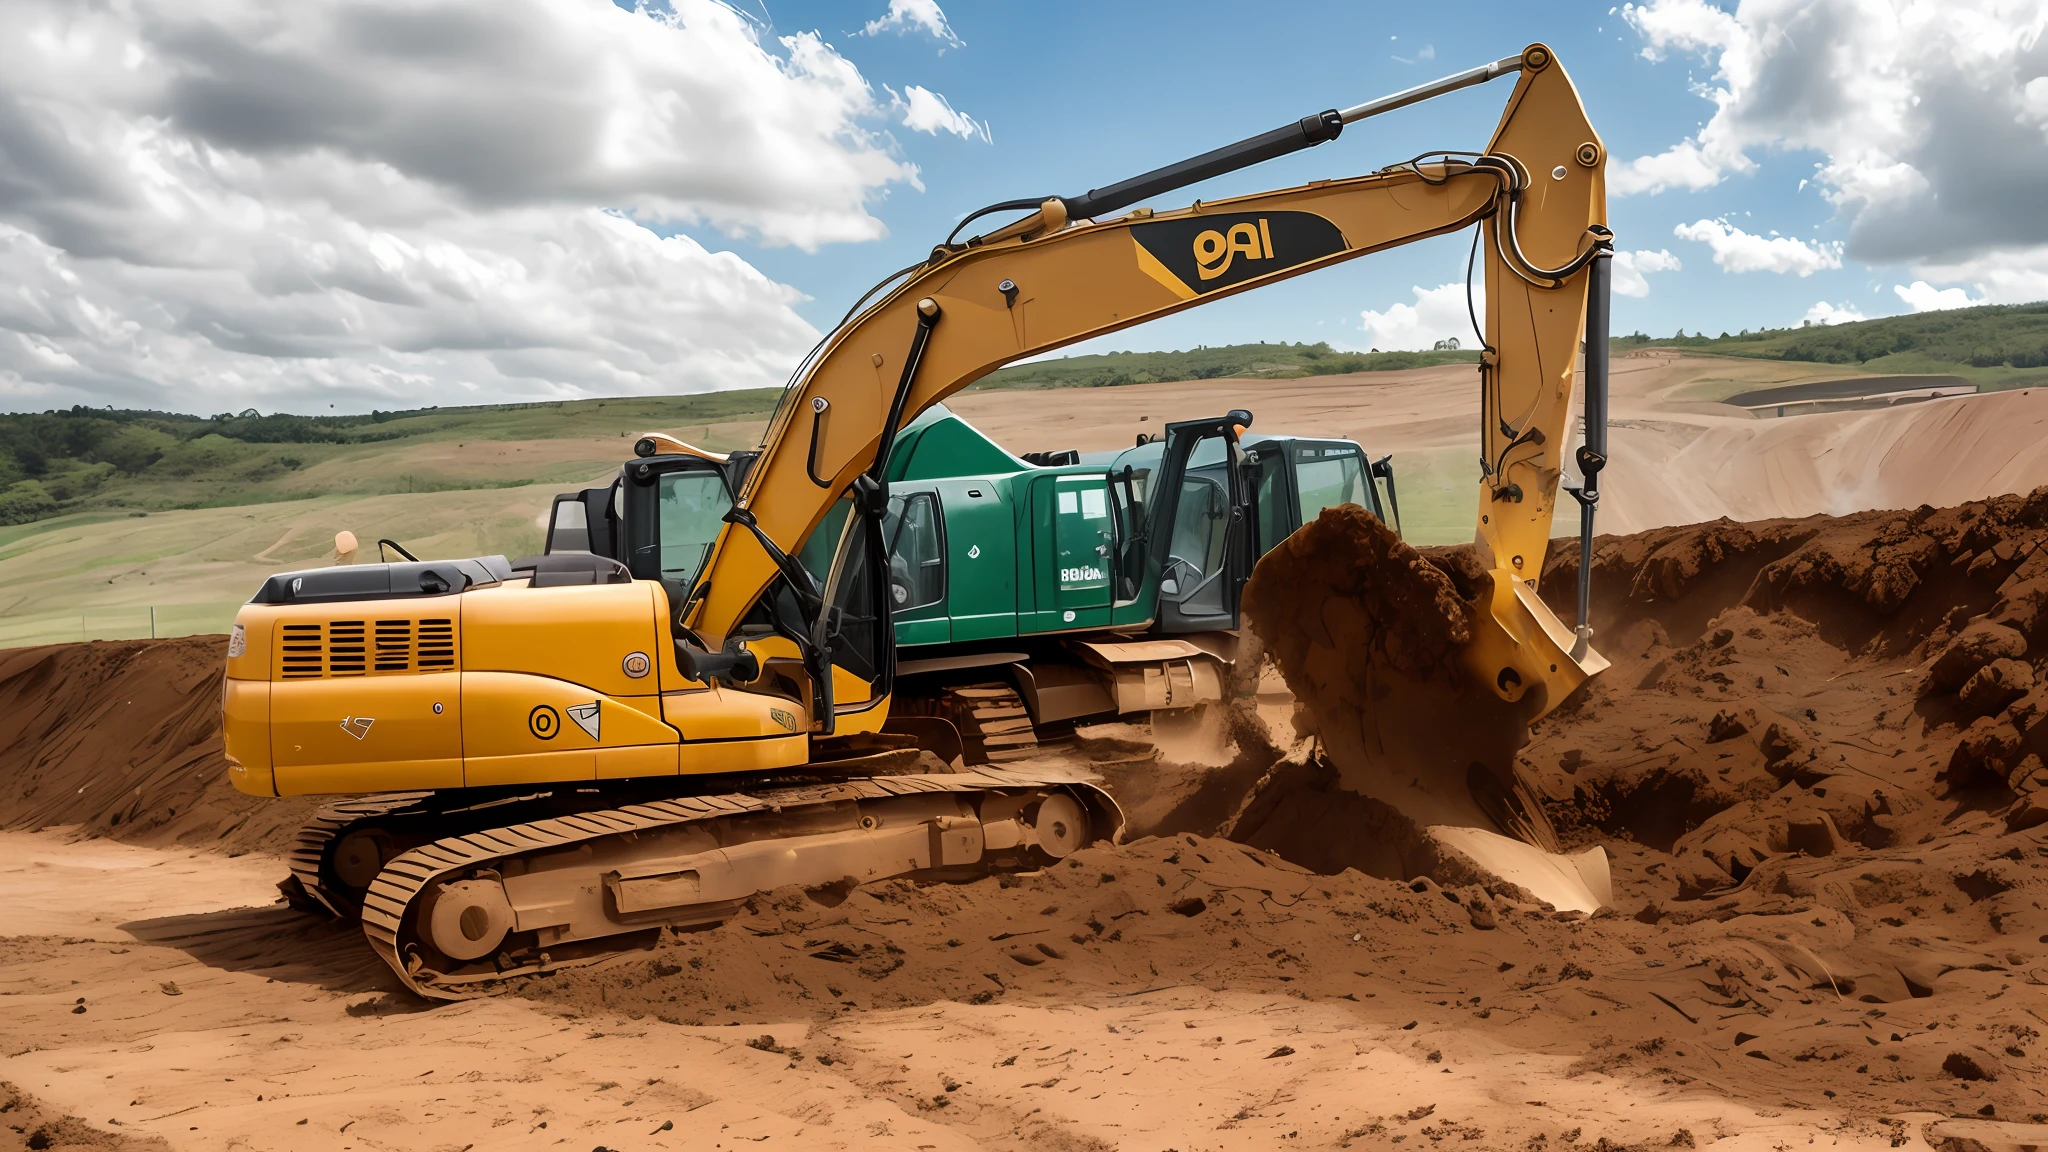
547,763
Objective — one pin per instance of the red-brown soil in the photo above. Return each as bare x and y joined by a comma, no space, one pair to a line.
122,738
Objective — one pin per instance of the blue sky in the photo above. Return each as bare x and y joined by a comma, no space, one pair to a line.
1080,95
340,205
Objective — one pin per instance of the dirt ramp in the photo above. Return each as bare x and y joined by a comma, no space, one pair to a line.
123,738
1368,634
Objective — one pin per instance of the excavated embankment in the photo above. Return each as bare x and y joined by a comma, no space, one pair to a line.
123,739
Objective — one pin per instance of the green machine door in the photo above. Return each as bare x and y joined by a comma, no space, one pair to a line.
1075,538
913,534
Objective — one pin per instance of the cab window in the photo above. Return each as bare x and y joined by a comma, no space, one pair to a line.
692,508
917,559
1329,476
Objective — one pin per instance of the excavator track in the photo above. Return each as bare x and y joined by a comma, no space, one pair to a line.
994,725
312,887
590,887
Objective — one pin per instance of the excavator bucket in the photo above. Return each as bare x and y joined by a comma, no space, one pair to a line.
1417,674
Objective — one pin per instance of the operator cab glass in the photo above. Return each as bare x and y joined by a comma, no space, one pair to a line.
917,557
1328,475
1297,479
1195,548
691,508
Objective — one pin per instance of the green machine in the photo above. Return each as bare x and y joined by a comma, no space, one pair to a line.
1026,592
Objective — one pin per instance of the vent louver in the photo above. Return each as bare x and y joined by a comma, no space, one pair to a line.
302,651
394,646
347,648
437,644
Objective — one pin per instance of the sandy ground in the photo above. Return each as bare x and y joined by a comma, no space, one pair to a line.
241,1027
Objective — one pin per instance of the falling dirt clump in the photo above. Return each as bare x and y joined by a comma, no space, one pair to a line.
1367,633
123,738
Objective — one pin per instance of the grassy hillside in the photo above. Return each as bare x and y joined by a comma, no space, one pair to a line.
1996,346
103,460
1267,361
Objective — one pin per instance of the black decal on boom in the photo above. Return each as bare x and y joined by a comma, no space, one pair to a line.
1208,252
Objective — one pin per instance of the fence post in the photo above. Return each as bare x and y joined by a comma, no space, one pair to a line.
152,621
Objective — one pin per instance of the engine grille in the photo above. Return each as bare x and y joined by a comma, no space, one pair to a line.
337,648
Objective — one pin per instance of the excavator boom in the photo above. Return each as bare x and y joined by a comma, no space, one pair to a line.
1537,192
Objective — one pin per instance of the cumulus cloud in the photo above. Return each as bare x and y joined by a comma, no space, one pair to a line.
1932,117
1630,268
1739,251
1824,313
1921,296
1438,313
2011,277
926,111
213,204
906,16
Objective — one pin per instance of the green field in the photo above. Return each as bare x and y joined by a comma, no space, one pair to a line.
132,524
84,460
1253,361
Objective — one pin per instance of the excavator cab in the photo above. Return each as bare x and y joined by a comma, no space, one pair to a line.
661,518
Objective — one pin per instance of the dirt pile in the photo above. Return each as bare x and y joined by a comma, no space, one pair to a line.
1367,633
1813,686
123,738
1777,1007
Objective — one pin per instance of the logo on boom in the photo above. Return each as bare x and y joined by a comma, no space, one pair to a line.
1193,255
1214,251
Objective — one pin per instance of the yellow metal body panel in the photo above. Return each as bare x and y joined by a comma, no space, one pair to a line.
367,734
581,634
508,685
245,728
523,728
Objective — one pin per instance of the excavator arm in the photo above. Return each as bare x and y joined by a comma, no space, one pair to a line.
1050,279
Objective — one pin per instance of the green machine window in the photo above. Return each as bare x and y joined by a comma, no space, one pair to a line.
917,556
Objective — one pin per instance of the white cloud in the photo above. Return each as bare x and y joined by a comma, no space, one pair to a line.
1931,117
1630,268
211,204
914,16
1438,313
1824,313
1739,251
2016,276
926,111
1683,165
1921,296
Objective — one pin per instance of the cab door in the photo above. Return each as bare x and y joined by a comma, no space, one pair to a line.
1073,538
1201,525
